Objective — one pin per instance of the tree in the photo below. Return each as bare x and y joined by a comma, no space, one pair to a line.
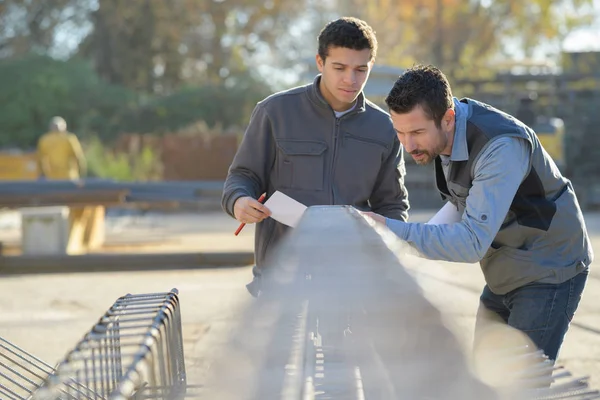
463,37
31,26
155,45
36,88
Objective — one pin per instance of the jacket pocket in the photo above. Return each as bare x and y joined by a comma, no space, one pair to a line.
506,268
301,164
370,141
358,163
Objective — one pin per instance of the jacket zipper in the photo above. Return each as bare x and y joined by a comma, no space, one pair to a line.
335,144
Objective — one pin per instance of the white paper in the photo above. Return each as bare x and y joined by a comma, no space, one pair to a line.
285,209
446,215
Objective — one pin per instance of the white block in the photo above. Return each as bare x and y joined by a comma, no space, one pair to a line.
44,230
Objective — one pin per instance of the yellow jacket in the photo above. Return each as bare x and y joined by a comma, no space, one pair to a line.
60,156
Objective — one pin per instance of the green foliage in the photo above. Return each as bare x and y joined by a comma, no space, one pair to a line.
104,162
214,104
33,26
157,46
36,88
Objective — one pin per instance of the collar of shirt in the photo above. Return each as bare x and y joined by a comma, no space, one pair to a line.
460,152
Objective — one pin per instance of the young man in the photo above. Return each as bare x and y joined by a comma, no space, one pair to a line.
321,144
518,216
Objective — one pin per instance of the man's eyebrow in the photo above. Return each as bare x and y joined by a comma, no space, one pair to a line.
345,65
413,131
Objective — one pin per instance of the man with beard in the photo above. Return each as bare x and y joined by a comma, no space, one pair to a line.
517,215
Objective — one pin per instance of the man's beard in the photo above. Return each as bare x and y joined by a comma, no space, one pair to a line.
426,158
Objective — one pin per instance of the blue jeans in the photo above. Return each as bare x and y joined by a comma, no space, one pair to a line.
542,311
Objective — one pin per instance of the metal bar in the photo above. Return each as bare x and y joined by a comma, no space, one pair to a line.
19,194
121,262
9,393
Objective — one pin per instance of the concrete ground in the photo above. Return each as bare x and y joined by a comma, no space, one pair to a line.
46,314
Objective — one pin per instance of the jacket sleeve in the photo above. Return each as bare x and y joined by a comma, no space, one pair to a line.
78,154
499,171
40,157
250,170
389,197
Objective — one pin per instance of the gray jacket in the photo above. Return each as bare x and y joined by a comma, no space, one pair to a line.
295,144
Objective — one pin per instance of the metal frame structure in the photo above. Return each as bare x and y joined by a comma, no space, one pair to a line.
134,351
136,347
340,317
21,373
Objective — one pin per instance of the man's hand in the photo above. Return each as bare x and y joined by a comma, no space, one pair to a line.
376,217
249,211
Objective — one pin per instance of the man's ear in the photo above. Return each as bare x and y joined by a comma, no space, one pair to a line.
320,63
448,120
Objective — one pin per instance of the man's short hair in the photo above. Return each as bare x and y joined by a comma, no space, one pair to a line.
349,32
423,85
57,124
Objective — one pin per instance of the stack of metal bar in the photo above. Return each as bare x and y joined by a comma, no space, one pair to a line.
339,317
16,194
135,351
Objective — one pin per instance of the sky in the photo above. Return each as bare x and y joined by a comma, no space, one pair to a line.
584,39
588,38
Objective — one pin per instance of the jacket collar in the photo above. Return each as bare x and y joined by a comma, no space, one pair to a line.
460,150
315,96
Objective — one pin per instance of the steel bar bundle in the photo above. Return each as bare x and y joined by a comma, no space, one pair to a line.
134,351
340,317
15,194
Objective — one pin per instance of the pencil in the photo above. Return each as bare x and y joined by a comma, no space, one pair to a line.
239,229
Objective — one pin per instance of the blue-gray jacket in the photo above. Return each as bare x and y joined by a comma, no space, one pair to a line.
520,216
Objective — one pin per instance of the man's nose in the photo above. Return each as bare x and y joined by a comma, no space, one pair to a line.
408,143
350,77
